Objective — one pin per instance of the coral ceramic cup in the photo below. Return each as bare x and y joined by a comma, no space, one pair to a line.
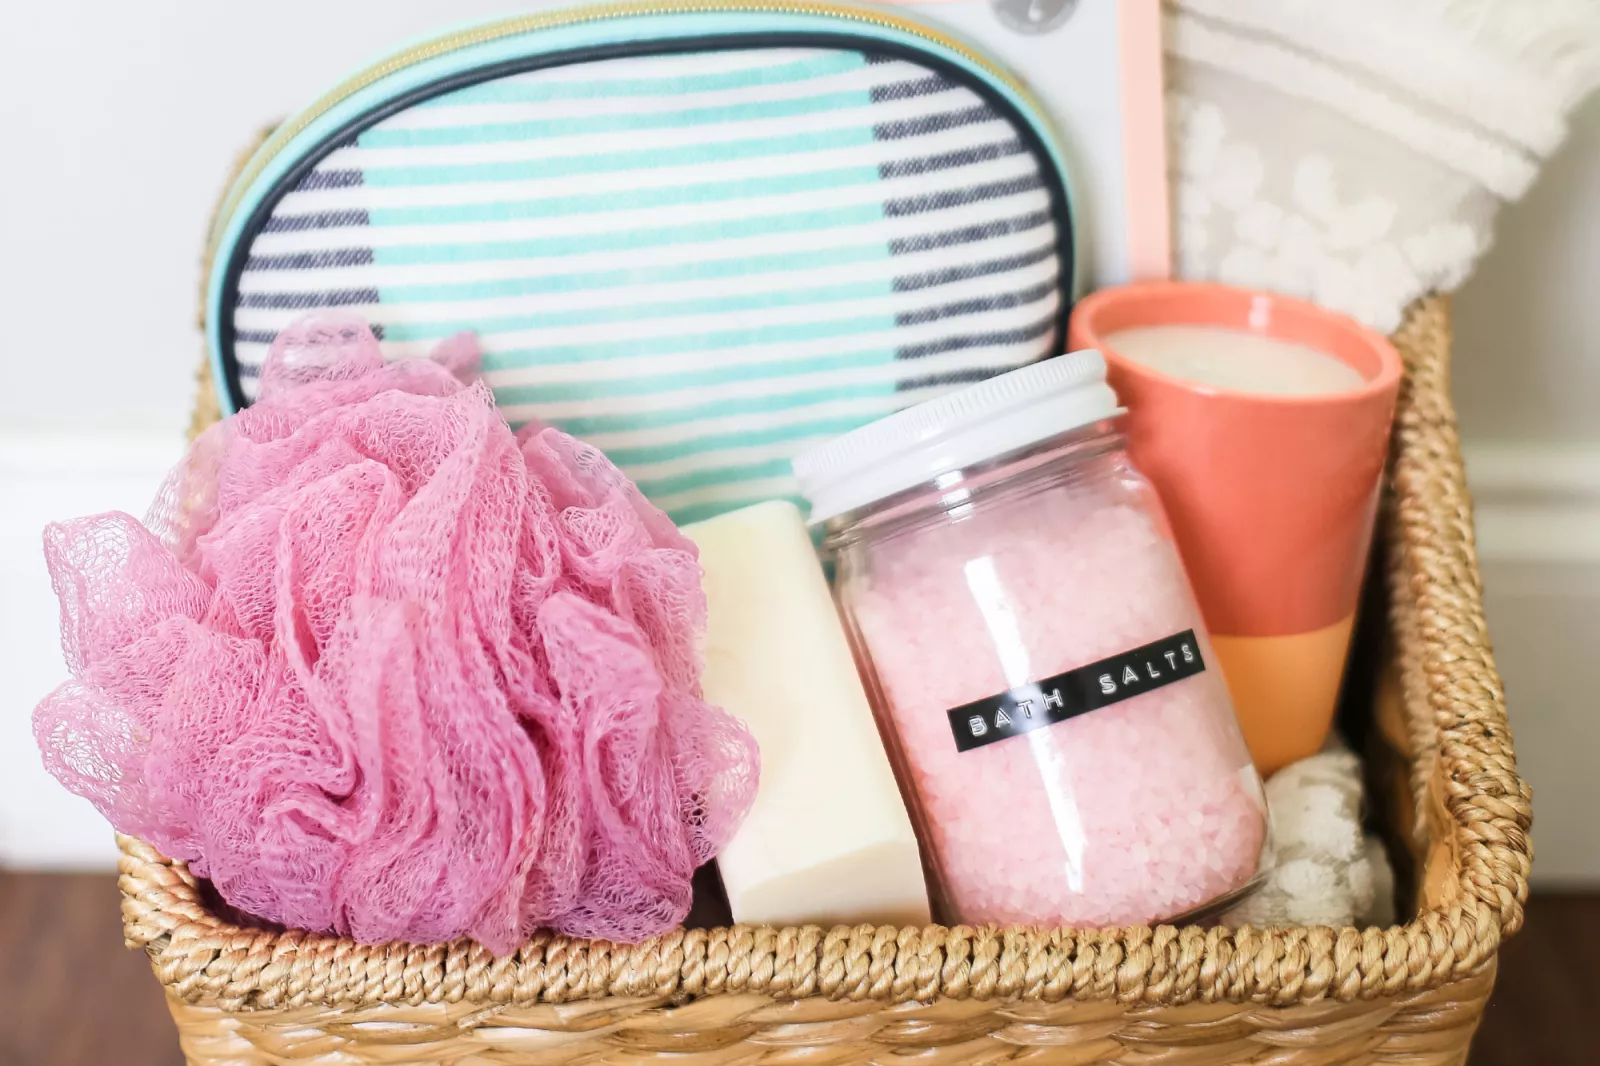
1272,498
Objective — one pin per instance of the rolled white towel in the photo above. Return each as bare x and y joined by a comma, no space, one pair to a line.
1325,872
1356,153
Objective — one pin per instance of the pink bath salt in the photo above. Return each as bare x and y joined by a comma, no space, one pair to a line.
1135,812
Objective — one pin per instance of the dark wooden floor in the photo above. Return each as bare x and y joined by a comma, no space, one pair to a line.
71,995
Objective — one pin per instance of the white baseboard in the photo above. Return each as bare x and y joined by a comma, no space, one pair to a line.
1538,523
1537,503
45,478
1538,526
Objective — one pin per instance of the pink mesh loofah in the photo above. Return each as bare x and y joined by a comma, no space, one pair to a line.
377,666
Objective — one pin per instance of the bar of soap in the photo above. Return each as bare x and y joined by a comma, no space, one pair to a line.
828,841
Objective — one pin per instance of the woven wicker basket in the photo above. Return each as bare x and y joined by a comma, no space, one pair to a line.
1189,996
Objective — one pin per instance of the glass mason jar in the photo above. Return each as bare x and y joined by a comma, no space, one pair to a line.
1035,657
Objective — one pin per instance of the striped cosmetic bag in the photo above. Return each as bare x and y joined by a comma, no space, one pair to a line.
700,237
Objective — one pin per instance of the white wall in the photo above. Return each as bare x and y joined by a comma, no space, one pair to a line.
44,477
1528,322
121,121
1528,390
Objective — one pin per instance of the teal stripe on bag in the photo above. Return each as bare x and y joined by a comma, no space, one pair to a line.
677,416
699,512
680,344
651,384
624,200
587,125
722,442
614,162
720,476
629,240
705,270
819,296
516,91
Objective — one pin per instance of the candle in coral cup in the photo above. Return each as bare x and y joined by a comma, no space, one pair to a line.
1284,686
1263,422
1236,359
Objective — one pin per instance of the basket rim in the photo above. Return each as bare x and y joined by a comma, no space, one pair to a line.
1461,748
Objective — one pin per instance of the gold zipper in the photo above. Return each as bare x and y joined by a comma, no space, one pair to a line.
512,27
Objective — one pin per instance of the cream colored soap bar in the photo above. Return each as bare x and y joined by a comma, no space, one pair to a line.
828,840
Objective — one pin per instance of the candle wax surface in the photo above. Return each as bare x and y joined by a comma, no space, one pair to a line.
1235,359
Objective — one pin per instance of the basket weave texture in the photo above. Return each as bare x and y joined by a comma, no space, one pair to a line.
1177,996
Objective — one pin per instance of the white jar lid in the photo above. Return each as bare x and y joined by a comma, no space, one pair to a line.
981,422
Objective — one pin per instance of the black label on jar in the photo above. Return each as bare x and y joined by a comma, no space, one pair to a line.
1088,688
